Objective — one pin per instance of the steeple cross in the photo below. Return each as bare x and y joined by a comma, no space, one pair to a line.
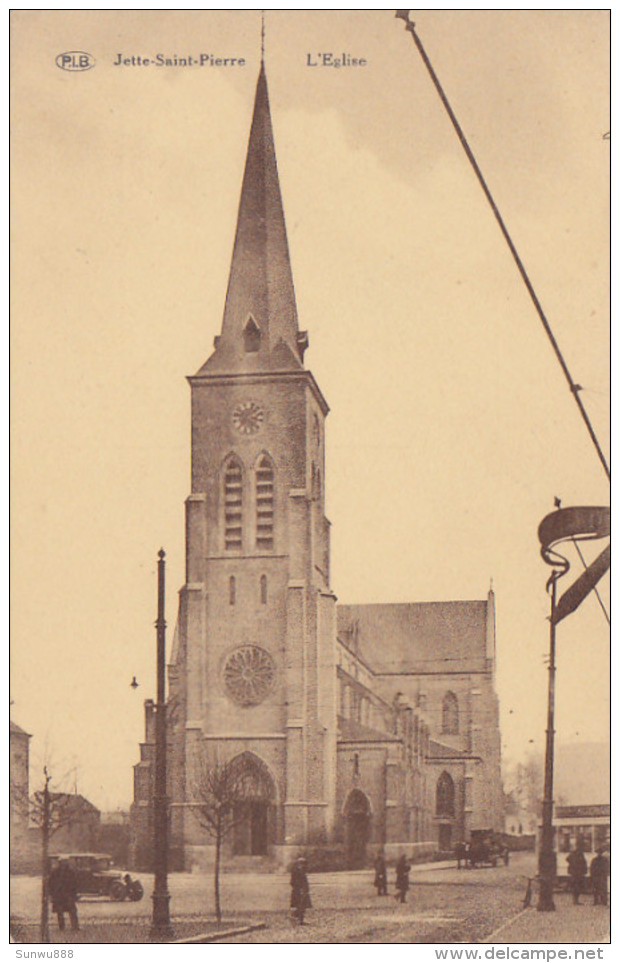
262,36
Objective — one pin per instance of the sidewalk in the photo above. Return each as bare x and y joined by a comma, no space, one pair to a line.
569,924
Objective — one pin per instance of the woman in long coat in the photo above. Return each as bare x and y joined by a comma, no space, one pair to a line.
300,891
381,874
402,878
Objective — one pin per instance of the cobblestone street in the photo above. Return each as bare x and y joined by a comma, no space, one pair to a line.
444,905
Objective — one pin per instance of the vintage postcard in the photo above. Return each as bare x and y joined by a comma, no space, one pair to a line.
311,488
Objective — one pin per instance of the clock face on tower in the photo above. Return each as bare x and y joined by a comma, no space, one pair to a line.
248,417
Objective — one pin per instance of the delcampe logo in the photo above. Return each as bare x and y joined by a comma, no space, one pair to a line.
75,60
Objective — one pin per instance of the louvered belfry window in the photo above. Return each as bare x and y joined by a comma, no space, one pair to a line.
233,506
264,504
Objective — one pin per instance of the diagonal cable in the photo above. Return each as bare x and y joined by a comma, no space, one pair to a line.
573,386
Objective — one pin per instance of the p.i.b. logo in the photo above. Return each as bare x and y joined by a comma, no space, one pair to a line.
75,60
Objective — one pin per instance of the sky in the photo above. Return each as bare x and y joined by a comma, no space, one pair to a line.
451,427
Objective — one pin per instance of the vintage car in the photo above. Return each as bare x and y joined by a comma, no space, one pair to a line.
483,849
95,876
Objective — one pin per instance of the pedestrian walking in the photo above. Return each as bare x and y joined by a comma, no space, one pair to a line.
577,870
599,871
300,891
381,874
460,851
402,878
63,892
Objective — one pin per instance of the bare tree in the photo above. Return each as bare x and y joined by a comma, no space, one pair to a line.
48,811
218,791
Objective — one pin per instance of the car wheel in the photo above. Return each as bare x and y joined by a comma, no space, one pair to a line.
117,891
136,892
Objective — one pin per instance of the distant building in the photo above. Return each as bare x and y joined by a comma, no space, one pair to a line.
19,749
583,794
362,725
19,763
113,837
81,818
81,832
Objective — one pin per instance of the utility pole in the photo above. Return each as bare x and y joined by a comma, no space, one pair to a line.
546,855
160,926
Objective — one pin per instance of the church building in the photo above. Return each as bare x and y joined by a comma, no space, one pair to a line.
360,725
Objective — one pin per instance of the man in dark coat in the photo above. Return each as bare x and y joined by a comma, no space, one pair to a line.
599,871
381,874
63,892
300,891
402,878
577,870
460,851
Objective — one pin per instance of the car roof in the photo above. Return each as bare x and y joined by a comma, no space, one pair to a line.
74,855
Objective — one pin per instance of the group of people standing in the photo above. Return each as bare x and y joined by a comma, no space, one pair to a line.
403,867
300,888
578,870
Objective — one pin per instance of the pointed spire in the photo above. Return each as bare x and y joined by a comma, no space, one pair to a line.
259,329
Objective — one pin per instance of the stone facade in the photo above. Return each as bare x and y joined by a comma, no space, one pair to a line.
346,749
19,749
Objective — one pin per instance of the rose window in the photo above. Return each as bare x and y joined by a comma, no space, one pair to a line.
248,675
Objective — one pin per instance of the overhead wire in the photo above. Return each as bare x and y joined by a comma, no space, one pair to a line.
573,386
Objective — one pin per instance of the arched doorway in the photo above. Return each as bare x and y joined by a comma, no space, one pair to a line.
357,817
444,796
444,809
255,814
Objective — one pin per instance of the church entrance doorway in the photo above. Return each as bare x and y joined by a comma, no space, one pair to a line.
251,833
357,817
255,814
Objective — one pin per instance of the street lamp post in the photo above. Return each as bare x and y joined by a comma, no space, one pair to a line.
546,855
565,524
160,926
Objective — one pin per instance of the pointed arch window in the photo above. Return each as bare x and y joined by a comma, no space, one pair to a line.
316,483
251,335
233,505
263,589
450,714
444,800
232,590
264,504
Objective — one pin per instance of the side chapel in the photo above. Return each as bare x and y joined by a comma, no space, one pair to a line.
362,725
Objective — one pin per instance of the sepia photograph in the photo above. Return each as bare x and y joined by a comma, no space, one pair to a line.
310,516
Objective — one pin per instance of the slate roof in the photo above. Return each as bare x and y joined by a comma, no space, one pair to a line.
17,730
260,284
417,637
351,731
437,750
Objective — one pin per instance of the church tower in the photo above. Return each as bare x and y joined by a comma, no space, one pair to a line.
252,672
